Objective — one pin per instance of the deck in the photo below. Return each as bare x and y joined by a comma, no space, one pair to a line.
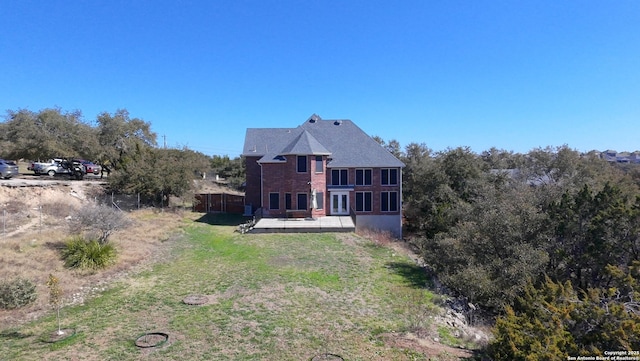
302,225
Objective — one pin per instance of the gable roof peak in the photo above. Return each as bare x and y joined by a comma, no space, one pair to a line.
305,143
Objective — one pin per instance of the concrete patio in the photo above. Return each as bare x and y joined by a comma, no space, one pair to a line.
302,225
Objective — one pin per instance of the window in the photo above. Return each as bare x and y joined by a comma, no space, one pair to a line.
364,201
389,176
363,177
339,177
320,200
287,201
302,164
302,201
389,201
319,168
274,200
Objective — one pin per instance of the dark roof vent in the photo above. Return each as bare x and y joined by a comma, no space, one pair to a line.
314,118
337,122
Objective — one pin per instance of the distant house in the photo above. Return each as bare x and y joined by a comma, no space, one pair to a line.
609,155
323,168
621,157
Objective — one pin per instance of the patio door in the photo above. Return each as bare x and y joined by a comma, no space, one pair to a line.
339,203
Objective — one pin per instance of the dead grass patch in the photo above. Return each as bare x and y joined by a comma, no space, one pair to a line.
35,231
380,238
426,346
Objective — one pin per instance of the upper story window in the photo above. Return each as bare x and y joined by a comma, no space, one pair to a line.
339,177
319,167
302,164
389,176
363,177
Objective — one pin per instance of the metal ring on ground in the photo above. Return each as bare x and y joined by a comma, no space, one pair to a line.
196,300
152,339
327,357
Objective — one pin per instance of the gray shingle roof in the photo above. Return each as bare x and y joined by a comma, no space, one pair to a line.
305,144
345,143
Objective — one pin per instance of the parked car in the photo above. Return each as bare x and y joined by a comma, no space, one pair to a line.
8,168
52,167
71,167
90,167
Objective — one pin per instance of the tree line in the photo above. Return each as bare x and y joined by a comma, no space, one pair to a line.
548,242
124,144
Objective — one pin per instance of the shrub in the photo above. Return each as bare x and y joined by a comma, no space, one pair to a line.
88,254
100,220
17,293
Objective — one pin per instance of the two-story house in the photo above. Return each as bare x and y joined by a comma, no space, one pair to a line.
323,168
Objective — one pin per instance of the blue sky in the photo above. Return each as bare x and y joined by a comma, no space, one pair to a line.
514,75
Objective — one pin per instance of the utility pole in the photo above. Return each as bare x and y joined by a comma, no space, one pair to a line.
164,137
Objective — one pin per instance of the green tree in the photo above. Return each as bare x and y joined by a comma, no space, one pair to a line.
463,169
502,159
493,249
554,321
534,328
120,135
429,202
593,230
157,174
47,133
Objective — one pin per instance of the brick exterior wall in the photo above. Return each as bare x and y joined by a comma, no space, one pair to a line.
252,188
283,178
376,188
319,183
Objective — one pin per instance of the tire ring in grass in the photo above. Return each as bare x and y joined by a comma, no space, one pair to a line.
327,357
54,337
196,300
152,339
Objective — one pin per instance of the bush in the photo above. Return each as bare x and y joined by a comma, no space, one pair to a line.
17,293
99,220
88,254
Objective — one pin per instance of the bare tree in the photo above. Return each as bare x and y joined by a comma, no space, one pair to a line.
100,220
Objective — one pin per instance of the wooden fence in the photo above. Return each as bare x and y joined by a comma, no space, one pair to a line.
219,203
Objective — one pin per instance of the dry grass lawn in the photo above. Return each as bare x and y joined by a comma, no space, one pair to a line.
36,225
266,294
